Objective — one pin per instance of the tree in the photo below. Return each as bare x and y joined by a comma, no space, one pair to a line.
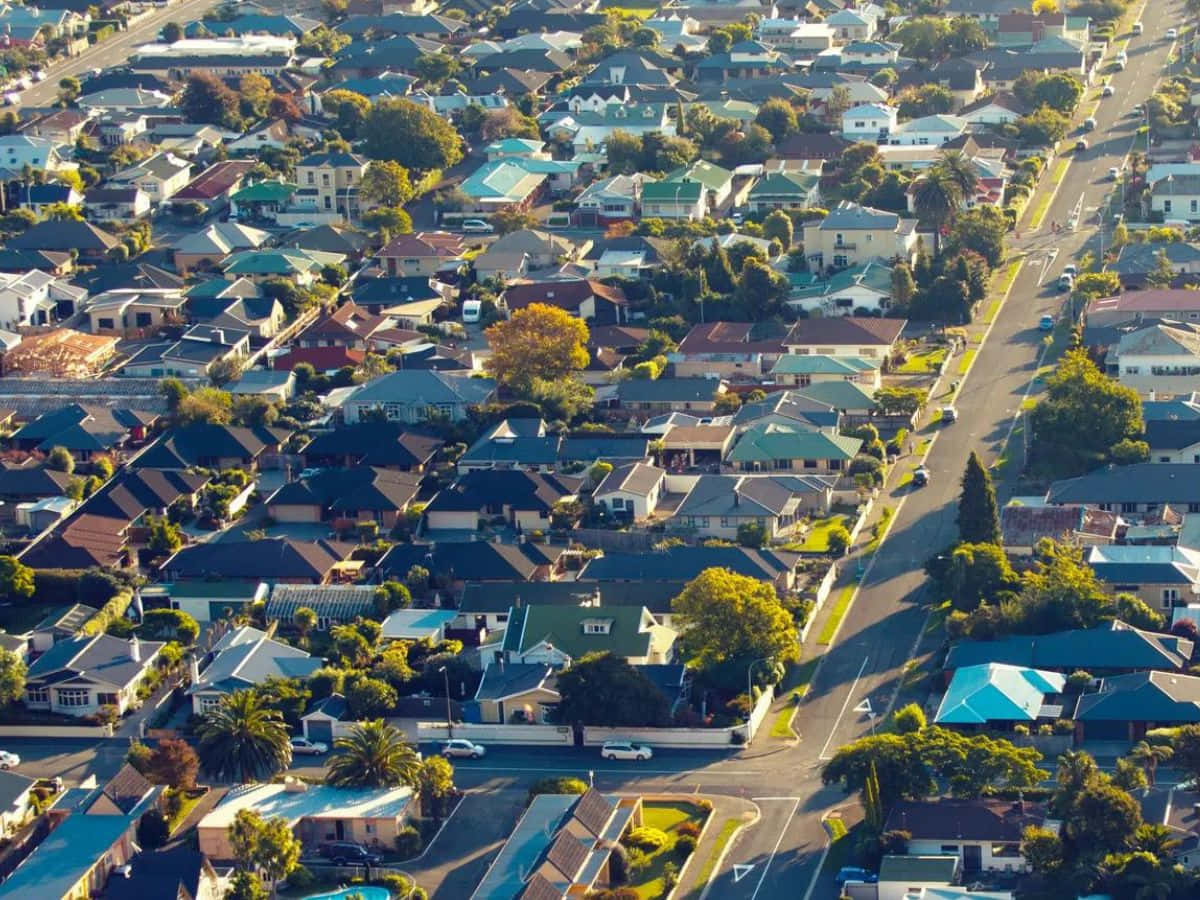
539,341
60,459
724,616
371,697
838,540
385,183
1103,819
1083,414
903,286
900,400
255,92
1148,756
564,399
980,230
16,578
165,537
174,391
936,198
207,405
172,32
1045,7
373,755
12,677
242,740
1042,127
508,219
1162,275
777,226
603,689
978,514
926,100
974,575
348,110
436,67
436,780
389,221
174,763
908,719
206,99
1186,744
69,89
1097,284
1043,851
410,134
264,845
778,117
761,289
1060,91
245,885
1128,776
169,625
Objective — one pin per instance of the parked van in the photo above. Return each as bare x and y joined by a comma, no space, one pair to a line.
472,309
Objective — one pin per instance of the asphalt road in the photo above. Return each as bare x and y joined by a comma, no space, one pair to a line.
114,51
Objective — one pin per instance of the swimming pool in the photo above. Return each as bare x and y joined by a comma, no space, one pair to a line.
367,892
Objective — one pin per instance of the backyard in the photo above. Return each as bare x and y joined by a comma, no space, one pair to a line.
924,362
675,820
817,539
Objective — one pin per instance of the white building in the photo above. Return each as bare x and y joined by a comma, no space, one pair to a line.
870,122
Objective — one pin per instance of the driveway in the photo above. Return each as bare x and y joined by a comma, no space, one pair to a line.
454,863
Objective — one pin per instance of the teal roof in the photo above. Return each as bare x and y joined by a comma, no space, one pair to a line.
503,179
870,275
795,364
284,261
265,192
764,443
784,184
839,394
514,145
65,856
708,174
629,629
995,692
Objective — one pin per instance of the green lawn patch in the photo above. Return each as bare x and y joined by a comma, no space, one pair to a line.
845,595
667,817
728,828
920,363
802,674
968,357
817,539
878,529
189,803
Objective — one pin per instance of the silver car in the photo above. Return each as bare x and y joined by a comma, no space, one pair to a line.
463,748
625,750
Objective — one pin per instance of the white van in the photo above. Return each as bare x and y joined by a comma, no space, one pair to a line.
472,309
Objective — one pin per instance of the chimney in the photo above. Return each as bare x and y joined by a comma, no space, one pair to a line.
135,649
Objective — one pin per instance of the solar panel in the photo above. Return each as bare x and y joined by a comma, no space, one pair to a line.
567,855
593,811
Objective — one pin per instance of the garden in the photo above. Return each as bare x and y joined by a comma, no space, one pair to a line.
656,850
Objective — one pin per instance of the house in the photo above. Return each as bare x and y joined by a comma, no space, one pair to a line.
1000,108
262,201
1162,358
542,248
985,834
915,877
737,350
64,236
1023,526
246,657
194,355
617,198
1125,707
334,604
517,692
716,181
355,496
558,635
267,383
422,253
872,123
217,184
207,249
38,197
273,560
764,448
846,292
513,443
208,601
584,298
560,847
1132,490
688,446
136,310
36,298
670,394
997,695
1161,577
745,59
315,813
329,183
40,154
630,491
385,445
523,499
1135,262
676,200
854,25
853,234
869,338
346,326
28,482
237,306
59,625
927,131
330,238
784,190
62,353
459,561
794,370
414,395
160,177
225,57
484,606
116,204
81,675
1110,648
303,267
16,801
85,430
716,506
683,563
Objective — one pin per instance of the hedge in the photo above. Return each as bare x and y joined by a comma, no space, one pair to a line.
93,587
113,609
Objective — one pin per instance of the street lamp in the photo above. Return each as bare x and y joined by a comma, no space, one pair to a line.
449,723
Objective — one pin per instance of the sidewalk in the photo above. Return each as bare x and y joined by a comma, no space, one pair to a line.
705,862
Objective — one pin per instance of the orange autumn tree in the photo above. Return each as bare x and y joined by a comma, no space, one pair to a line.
538,342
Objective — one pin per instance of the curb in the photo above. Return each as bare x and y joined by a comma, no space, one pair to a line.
728,845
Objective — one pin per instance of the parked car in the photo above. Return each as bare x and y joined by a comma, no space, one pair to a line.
920,476
1089,124
625,750
349,853
460,747
476,226
949,415
1046,323
854,873
9,760
1081,144
1114,173
1172,33
305,747
1066,281
1107,91
472,309
1137,28
1071,269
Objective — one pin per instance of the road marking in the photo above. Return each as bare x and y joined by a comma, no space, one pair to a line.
775,849
483,770
849,694
741,870
757,799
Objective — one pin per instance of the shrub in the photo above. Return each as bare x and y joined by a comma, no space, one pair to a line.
555,786
646,838
1064,726
703,804
301,879
152,830
1045,729
1079,679
909,719
139,756
408,842
688,829
685,845
397,884
637,861
1021,729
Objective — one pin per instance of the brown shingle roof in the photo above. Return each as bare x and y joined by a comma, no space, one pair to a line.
845,330
424,244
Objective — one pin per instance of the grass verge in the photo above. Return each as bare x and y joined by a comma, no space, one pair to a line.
665,817
1046,194
728,828
189,803
840,844
878,529
845,595
968,357
782,726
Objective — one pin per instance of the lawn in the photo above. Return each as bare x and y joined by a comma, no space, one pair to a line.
841,842
782,726
728,828
817,539
968,357
189,802
920,363
837,614
665,817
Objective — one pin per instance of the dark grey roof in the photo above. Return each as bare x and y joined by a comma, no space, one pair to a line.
468,560
656,596
103,657
1111,646
513,488
1139,259
685,563
189,445
972,820
334,706
13,786
663,390
1165,698
351,490
375,444
269,559
503,680
1176,483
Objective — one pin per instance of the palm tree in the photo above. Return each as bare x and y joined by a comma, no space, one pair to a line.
1154,839
1148,756
936,197
374,754
955,167
242,740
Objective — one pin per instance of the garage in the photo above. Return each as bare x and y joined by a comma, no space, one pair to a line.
319,730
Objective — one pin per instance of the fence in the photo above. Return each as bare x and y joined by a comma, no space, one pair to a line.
56,731
549,735
616,541
693,738
823,591
863,513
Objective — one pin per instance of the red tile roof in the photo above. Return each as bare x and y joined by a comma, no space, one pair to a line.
216,180
323,359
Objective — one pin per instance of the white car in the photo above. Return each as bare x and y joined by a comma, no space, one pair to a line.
625,750
305,747
476,226
1172,33
463,748
9,760
1107,91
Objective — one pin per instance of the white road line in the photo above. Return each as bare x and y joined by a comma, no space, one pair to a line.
812,884
775,849
632,772
760,799
837,721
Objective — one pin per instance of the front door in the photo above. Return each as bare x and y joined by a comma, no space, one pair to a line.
972,857
339,828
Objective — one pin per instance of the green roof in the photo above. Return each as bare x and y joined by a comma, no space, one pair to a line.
795,364
708,174
279,261
265,192
670,191
918,869
784,184
839,394
764,443
629,629
870,275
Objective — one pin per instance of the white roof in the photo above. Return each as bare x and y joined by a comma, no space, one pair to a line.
313,802
416,624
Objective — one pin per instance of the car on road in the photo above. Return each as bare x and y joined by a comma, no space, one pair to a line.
12,98
1172,33
9,760
476,226
920,476
625,750
1089,124
463,748
1137,28
1107,91
1066,281
854,873
949,415
305,747
472,310
1114,173
1081,144
1071,269
39,75
1046,323
349,853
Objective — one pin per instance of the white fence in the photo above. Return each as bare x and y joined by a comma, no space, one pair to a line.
685,738
56,731
823,591
550,735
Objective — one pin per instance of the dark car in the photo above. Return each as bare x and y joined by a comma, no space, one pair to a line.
349,853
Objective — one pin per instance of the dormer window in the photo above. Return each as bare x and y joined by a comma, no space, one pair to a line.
597,626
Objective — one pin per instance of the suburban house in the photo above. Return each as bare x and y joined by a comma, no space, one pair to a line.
557,635
273,560
674,200
414,395
784,190
1133,490
79,676
786,448
717,506
1174,440
1176,197
160,177
116,204
347,497
868,338
59,625
998,695
212,446
985,834
516,692
584,298
462,561
1125,707
246,657
853,234
630,491
208,248
676,564
794,370
137,310
1023,526
385,445
523,499
1161,577
334,604
696,395
16,801
85,430
1162,359
484,606
1135,262
329,184
872,123
617,198
866,286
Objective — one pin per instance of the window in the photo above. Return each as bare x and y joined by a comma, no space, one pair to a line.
1165,459
369,828
38,695
74,697
328,202
949,848
810,463
325,179
1193,206
838,239
1166,206
1132,370
594,628
108,699
618,502
1129,507
1170,596
207,703
312,178
840,261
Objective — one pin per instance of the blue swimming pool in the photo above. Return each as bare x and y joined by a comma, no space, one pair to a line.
365,891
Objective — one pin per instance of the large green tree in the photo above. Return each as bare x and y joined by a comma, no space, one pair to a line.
978,515
724,616
603,689
410,134
242,740
206,99
267,846
374,754
16,579
12,677
980,230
